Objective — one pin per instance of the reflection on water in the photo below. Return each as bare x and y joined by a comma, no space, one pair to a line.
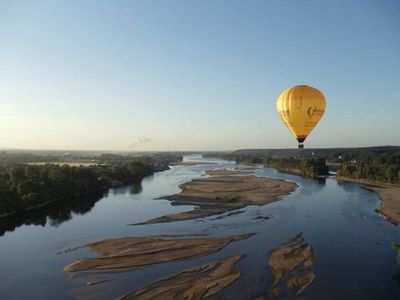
396,277
135,188
59,212
54,214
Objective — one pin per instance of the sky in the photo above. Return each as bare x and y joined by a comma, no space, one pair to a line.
195,75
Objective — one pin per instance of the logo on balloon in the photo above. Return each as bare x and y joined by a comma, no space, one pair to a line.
313,110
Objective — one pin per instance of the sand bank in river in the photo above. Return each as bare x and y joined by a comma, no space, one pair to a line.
193,163
216,195
390,207
292,262
224,172
389,194
132,252
194,283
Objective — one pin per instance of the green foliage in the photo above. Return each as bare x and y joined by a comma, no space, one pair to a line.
248,159
381,167
305,166
24,186
15,158
338,155
380,163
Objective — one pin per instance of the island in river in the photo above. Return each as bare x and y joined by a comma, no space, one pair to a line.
134,252
218,194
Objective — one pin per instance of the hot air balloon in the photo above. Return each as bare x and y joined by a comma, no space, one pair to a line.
301,107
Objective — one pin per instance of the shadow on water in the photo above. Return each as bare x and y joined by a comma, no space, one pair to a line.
53,214
61,211
396,277
134,188
348,186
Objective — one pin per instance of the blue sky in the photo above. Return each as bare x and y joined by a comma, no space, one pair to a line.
195,75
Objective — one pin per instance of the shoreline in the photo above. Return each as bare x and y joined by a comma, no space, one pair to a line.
389,194
297,172
367,182
42,205
92,192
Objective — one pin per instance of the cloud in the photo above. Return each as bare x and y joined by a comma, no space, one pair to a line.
139,140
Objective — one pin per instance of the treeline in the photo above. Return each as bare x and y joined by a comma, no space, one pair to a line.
311,166
338,155
384,167
24,186
304,166
53,214
7,158
379,164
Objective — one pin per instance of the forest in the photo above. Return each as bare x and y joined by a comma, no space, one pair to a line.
304,166
378,168
376,164
24,186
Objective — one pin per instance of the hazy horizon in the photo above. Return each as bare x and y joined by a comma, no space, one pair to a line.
178,76
188,151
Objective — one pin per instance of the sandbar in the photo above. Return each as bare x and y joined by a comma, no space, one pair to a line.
390,206
218,194
293,258
198,282
224,172
133,252
192,163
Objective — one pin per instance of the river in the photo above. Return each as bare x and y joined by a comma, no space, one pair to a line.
352,244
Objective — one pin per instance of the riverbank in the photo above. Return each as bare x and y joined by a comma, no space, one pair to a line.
47,203
389,195
219,194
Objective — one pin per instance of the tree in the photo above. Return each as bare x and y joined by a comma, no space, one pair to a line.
392,172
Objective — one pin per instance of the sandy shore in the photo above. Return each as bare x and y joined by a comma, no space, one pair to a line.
390,207
193,163
198,282
133,252
216,195
388,193
225,172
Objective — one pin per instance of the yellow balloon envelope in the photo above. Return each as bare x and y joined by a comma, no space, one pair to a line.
301,107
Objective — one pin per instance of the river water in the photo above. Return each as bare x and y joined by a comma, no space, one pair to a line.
352,244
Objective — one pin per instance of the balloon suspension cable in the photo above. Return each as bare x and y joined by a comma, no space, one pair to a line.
301,146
